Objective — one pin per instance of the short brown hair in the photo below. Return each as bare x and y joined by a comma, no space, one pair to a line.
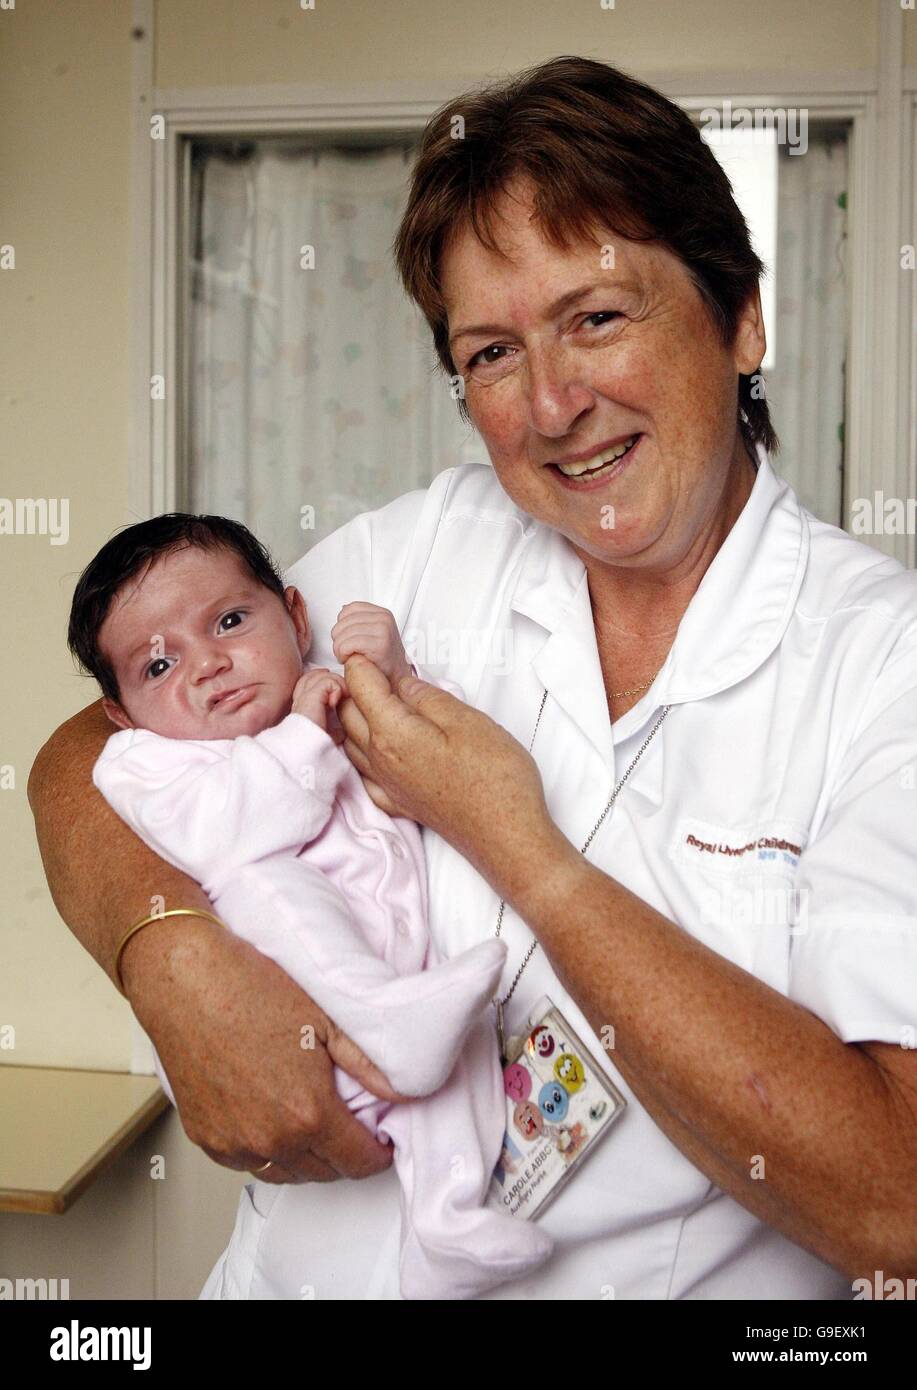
603,151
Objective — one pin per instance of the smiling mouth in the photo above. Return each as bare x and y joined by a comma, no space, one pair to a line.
601,465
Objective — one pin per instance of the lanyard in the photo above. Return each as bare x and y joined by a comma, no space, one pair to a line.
498,1002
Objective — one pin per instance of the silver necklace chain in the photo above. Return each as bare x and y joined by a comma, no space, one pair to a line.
498,1002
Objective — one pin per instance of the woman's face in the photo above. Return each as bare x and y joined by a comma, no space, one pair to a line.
562,357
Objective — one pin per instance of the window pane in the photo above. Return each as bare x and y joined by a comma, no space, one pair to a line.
313,391
794,199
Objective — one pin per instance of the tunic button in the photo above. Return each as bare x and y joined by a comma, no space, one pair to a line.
401,925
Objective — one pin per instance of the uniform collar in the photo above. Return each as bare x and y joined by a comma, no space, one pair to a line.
735,620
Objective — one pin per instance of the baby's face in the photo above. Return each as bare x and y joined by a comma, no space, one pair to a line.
201,650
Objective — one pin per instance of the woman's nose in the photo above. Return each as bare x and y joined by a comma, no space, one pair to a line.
557,396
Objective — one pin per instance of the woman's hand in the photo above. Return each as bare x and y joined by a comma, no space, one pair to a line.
229,1027
424,754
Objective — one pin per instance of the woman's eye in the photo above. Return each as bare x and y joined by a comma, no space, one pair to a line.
236,613
482,359
497,353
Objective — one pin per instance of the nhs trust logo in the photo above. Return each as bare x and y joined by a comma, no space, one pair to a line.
75,1343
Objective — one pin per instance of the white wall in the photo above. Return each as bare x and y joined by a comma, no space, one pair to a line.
228,43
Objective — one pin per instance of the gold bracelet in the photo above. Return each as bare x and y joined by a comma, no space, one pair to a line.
157,917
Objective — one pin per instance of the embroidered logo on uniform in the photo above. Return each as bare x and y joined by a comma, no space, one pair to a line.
746,876
770,844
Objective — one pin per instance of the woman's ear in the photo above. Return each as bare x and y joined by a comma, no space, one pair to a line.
297,611
750,341
116,713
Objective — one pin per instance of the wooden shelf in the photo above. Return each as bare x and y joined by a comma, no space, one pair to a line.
61,1128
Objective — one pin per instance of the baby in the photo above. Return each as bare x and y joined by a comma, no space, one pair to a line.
228,765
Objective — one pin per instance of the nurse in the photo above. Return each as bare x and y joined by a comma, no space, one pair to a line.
705,859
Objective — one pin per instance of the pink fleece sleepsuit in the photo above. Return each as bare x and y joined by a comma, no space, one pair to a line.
298,860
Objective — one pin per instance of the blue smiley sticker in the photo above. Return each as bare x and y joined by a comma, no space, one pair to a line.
553,1101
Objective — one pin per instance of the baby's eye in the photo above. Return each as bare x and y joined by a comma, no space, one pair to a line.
236,613
151,672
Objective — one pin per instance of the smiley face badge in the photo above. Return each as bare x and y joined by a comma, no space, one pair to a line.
527,1120
542,1042
553,1102
517,1083
569,1071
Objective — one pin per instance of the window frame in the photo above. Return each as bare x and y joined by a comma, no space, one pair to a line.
880,444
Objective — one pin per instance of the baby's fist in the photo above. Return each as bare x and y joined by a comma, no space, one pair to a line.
372,631
315,695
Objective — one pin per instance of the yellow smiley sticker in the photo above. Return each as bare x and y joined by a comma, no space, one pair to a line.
569,1071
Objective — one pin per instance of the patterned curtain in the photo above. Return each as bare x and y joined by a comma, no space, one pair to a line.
313,383
805,388
313,389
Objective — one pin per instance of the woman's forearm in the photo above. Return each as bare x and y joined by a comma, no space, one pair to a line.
214,1007
101,875
759,1093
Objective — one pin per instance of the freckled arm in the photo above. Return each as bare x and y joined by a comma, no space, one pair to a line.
730,1069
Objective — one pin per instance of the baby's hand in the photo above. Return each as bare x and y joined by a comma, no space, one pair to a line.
371,630
316,694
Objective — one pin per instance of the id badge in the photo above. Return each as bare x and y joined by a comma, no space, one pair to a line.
559,1104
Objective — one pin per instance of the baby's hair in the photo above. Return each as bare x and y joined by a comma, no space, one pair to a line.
135,547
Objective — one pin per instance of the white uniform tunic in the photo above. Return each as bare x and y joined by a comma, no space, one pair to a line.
772,817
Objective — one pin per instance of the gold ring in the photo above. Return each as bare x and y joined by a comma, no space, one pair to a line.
264,1167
